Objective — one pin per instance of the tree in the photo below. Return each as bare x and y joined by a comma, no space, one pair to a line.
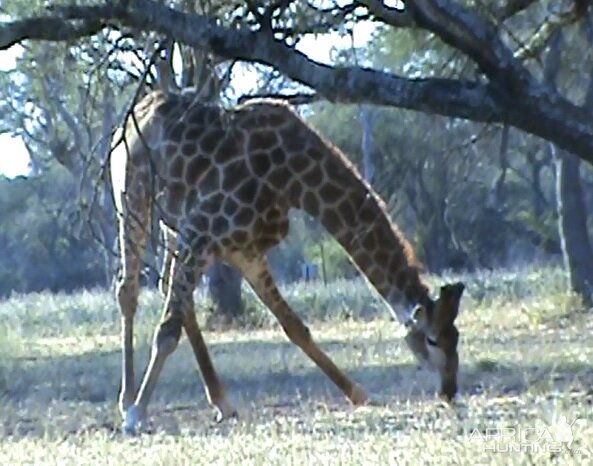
572,224
504,86
572,213
502,43
65,117
38,248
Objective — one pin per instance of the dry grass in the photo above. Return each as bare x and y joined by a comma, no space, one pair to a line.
525,352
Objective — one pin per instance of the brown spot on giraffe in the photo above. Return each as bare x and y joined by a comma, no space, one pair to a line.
244,168
229,149
189,148
176,168
279,177
196,167
313,178
248,189
193,133
261,141
220,226
234,172
212,204
211,140
176,132
175,195
239,237
299,163
345,209
330,193
230,206
260,164
310,203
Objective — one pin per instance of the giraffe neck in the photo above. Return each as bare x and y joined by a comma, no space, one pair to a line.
356,217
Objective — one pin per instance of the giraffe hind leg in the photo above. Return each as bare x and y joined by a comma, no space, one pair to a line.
178,313
215,392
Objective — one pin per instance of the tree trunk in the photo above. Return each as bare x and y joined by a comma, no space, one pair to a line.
323,263
572,222
225,290
367,117
572,213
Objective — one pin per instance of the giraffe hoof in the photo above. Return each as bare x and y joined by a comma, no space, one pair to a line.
131,422
219,417
448,401
225,410
358,397
128,430
123,408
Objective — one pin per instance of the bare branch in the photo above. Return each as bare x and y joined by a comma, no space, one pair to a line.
511,8
511,93
544,32
293,99
391,16
46,28
348,84
475,36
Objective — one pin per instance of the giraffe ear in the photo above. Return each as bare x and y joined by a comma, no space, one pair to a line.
418,318
449,302
452,291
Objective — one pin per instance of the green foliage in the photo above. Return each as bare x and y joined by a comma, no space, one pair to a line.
39,247
330,253
308,242
439,177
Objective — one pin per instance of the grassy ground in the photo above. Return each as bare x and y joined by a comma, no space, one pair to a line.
526,370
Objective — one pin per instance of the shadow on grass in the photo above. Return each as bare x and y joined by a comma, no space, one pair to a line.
256,372
76,394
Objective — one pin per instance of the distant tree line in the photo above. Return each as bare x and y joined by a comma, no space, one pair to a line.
470,118
459,197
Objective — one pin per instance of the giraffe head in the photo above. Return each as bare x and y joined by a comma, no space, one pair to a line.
433,337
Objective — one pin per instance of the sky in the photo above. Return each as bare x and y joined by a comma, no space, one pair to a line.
14,158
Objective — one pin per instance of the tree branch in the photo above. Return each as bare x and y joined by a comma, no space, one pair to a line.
544,32
53,28
511,8
293,99
475,36
391,16
511,95
344,84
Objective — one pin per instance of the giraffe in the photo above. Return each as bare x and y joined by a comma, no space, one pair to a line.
222,182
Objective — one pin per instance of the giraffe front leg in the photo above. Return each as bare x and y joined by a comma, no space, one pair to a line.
166,338
178,313
128,300
165,341
261,280
214,389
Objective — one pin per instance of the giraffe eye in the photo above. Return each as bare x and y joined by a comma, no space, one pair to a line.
431,342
